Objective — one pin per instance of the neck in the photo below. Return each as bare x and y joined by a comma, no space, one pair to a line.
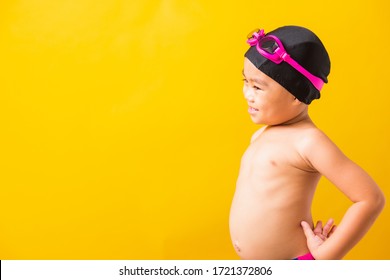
300,118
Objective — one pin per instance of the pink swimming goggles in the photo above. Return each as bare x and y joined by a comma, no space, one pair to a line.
272,48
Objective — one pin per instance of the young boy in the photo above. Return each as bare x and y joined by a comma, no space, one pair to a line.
270,217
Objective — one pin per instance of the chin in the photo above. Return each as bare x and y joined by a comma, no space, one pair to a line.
261,121
257,121
270,121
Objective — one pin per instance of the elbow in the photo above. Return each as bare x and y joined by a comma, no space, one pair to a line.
375,202
382,201
378,202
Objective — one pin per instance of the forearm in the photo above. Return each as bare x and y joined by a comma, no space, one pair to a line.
356,222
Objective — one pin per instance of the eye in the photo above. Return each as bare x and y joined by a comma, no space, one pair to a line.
257,88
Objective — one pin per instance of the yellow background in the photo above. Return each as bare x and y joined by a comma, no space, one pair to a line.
123,122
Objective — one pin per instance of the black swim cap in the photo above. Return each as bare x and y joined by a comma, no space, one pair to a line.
304,47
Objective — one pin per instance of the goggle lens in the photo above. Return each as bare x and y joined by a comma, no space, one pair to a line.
269,45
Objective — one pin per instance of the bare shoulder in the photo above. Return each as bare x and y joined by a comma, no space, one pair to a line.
313,138
319,150
258,133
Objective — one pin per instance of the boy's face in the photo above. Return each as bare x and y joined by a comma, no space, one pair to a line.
269,102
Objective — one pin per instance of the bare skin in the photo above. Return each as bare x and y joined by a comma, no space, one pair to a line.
271,210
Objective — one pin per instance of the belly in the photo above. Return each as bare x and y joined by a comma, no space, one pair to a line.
267,226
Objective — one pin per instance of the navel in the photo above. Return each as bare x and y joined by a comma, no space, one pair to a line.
236,247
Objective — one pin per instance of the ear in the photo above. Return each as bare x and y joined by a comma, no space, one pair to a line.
296,101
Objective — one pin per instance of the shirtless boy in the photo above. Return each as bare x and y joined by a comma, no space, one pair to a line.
270,215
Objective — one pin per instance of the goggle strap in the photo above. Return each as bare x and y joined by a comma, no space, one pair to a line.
317,82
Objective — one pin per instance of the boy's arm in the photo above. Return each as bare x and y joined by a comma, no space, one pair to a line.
355,183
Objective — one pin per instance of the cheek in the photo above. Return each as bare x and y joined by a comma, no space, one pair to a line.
264,100
269,106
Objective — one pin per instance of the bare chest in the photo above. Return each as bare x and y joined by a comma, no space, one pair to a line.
270,157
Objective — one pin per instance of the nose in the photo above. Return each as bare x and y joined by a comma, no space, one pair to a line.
249,94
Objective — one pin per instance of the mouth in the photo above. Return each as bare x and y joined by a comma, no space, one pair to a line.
252,110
